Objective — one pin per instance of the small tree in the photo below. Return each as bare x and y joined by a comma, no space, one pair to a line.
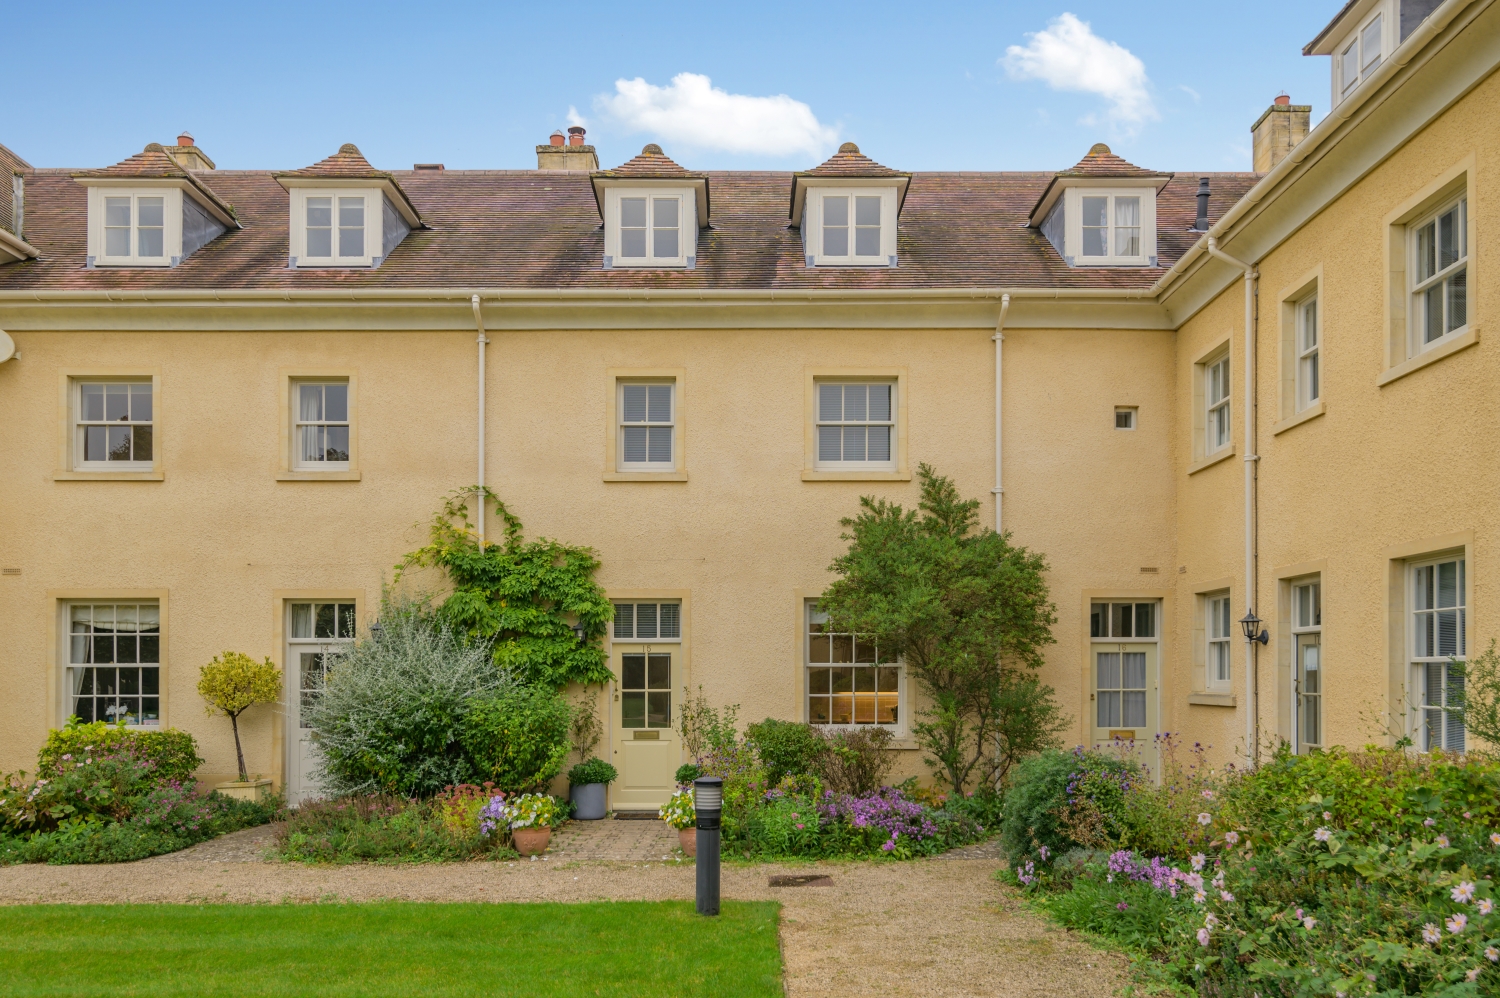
967,611
233,683
1479,698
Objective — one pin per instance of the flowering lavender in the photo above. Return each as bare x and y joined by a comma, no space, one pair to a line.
1026,874
1159,875
886,809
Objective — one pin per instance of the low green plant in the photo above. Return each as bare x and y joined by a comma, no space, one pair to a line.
678,811
378,828
518,737
1036,804
531,811
460,805
592,771
174,753
688,772
707,729
785,747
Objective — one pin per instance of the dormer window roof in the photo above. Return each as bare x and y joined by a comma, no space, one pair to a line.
1363,35
652,210
345,213
1102,212
847,210
147,211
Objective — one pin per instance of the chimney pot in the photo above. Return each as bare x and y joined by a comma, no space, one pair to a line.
185,138
575,136
557,138
1201,225
1284,99
1277,131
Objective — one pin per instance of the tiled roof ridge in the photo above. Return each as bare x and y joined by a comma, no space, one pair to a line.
347,162
850,162
155,163
1101,162
650,162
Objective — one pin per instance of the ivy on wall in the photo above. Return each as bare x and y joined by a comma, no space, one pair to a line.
523,596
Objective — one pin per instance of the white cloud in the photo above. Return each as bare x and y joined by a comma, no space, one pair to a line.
574,118
1197,97
1069,56
693,112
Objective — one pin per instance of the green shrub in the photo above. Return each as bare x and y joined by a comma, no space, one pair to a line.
173,752
1036,802
394,711
592,771
379,828
80,789
784,747
518,737
688,772
855,761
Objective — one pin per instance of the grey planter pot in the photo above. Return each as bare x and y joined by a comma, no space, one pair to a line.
588,802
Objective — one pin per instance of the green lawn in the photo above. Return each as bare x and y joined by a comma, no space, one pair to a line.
532,950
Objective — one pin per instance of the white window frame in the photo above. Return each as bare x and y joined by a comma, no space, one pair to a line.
1347,78
687,226
1213,407
374,207
1452,735
1309,352
819,423
171,227
1307,631
1440,278
1218,642
1129,413
811,615
1073,226
79,425
629,620
300,425
622,424
341,640
813,234
77,655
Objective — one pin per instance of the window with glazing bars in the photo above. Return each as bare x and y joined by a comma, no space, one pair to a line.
114,424
114,662
849,681
856,424
1307,632
646,427
1219,629
1309,375
1440,289
651,228
648,622
319,633
1216,397
1439,645
322,430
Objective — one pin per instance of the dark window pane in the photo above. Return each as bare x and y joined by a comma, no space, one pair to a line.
151,681
104,649
633,672
633,709
93,402
864,650
337,447
1099,620
118,443
130,681
336,403
843,648
150,709
888,682
671,620
817,710
84,708
94,444
1120,620
817,681
864,680
659,710
125,648
1145,620
104,680
116,402
150,648
140,403
888,707
659,672
346,620
142,441
843,680
324,622
86,685
819,648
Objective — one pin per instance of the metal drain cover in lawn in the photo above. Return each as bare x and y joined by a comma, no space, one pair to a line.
802,880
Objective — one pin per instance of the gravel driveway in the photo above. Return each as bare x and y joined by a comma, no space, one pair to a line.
934,927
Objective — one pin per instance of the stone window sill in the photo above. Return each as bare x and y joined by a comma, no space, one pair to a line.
1437,353
1211,460
1212,699
1311,412
856,476
318,476
108,476
645,476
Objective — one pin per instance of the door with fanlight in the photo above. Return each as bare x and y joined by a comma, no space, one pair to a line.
1123,656
317,632
646,748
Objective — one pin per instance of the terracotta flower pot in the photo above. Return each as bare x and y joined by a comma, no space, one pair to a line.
688,837
531,841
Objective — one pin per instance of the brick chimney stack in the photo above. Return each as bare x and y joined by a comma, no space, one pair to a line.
567,152
1277,131
187,154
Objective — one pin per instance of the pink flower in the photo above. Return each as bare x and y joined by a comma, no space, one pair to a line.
1122,906
1457,922
1322,835
800,826
1463,893
1485,906
1199,897
1429,822
1210,920
1442,841
1309,923
1231,837
1226,896
1198,860
1492,954
1495,838
1204,818
1468,816
1430,933
1208,795
1202,937
1472,975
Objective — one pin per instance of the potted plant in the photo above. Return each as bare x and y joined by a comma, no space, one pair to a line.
528,817
587,781
679,813
231,684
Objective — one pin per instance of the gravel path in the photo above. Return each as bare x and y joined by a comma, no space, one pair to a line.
939,927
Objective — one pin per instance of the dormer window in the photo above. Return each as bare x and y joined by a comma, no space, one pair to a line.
652,209
147,211
847,210
345,213
1102,212
1360,56
134,229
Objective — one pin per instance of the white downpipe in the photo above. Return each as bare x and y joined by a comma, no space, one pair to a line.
483,340
999,339
1252,746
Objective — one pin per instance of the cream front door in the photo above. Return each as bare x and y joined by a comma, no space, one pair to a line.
316,632
1125,694
647,748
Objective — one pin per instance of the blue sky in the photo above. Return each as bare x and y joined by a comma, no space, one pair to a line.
764,85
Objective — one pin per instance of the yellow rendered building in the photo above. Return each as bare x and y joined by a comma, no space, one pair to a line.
233,399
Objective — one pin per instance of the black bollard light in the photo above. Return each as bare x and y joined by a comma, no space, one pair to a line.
708,805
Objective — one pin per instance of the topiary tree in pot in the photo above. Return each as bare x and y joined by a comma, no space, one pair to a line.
231,684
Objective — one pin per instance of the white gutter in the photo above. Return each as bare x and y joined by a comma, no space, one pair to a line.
16,248
1342,112
1252,718
483,340
999,339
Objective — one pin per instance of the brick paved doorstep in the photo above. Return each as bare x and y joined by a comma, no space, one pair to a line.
608,839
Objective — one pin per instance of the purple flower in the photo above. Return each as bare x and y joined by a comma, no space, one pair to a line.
1122,906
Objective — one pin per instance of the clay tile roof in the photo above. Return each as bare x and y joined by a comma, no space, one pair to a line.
850,162
347,162
12,163
154,163
1100,162
651,163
